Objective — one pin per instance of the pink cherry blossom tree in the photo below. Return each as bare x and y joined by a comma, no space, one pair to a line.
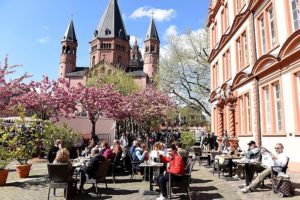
46,99
103,101
147,107
9,86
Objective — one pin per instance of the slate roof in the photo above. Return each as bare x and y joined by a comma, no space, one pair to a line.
152,31
138,73
70,33
79,72
111,24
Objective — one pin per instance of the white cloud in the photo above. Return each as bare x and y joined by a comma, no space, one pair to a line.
158,14
43,40
171,30
163,52
133,38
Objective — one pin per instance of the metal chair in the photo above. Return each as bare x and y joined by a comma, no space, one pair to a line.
133,164
100,175
59,177
184,183
116,165
199,156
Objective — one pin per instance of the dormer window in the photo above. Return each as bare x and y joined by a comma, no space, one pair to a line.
107,32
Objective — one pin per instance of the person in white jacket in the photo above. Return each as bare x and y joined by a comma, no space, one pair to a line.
280,160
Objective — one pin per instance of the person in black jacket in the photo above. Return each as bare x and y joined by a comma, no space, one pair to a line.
90,171
53,150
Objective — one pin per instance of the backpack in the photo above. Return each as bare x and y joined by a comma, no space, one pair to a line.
284,187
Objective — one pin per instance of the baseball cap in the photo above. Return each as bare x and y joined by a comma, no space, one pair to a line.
251,142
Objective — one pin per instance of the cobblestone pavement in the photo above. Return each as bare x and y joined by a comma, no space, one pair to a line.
204,186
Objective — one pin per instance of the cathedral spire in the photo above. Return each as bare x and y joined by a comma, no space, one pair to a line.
152,32
70,32
111,24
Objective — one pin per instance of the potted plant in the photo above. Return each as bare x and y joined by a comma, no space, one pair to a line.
4,161
5,157
25,135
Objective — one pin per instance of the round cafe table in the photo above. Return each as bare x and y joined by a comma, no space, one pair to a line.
150,166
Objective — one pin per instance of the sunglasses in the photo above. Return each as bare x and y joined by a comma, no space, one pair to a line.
277,147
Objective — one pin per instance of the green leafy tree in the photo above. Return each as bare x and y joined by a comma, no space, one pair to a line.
187,139
121,81
53,132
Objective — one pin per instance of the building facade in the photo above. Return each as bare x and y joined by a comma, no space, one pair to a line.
255,72
110,49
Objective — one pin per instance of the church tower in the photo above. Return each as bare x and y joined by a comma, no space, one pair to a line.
111,42
151,56
68,51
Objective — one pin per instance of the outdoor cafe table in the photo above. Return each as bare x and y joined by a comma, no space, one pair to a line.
208,156
150,166
230,162
247,169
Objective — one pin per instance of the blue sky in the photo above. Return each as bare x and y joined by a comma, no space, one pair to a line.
31,30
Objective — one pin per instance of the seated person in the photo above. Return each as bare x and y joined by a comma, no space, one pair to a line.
132,148
140,154
116,147
182,152
253,155
156,148
280,161
90,171
53,150
176,168
106,152
87,150
62,156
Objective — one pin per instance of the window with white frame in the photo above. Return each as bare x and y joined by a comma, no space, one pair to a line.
248,110
278,107
245,48
239,51
268,109
227,16
295,14
228,64
272,26
262,34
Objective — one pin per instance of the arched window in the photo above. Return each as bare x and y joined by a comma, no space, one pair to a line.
68,49
119,60
152,48
93,61
63,49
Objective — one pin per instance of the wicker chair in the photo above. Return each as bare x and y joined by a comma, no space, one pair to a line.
58,178
100,175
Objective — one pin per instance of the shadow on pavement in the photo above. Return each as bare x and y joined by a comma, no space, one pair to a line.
206,196
40,182
90,193
194,181
208,188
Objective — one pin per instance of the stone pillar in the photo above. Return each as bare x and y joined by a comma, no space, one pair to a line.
220,123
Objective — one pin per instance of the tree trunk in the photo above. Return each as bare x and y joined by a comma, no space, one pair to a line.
93,132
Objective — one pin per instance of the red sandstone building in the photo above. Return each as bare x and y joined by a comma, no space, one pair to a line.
109,49
255,72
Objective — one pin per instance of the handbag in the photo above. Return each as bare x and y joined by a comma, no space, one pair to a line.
283,186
